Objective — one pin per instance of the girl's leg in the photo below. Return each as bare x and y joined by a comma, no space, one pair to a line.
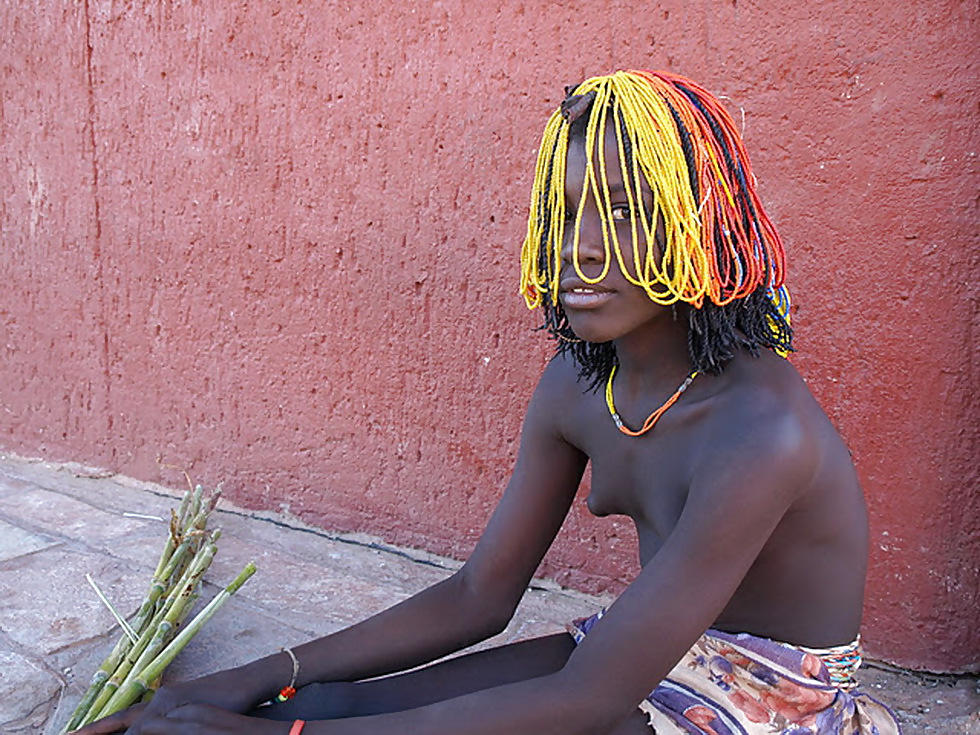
445,680
635,724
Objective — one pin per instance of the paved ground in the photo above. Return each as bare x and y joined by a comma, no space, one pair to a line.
61,522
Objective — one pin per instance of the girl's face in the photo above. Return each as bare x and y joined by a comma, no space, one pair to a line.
613,307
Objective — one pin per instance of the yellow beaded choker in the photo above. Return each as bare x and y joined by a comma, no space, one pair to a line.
654,417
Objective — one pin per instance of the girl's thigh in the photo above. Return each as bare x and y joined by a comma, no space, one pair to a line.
445,680
636,724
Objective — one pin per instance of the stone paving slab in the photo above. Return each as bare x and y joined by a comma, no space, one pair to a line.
15,541
27,693
47,605
10,484
61,521
57,514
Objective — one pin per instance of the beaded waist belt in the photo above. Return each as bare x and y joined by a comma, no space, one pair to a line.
841,661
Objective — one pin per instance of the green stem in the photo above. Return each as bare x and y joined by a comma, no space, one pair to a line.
185,557
86,701
158,586
137,686
153,636
124,645
196,501
176,519
185,505
178,608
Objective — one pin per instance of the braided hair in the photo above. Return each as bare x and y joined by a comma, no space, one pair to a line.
705,245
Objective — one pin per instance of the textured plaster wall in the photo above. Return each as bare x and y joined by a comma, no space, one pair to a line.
275,244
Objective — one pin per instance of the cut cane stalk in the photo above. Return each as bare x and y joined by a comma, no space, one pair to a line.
195,506
138,686
176,612
158,586
108,667
78,716
158,633
185,557
176,523
144,615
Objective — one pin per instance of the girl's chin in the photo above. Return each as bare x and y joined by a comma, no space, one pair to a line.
594,336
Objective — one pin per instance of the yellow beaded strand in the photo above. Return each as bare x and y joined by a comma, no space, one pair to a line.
654,417
708,250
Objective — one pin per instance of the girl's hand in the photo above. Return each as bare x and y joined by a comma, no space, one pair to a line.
118,722
205,719
223,692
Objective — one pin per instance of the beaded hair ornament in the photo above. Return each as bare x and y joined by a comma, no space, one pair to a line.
715,240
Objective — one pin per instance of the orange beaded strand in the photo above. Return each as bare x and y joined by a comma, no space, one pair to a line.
654,417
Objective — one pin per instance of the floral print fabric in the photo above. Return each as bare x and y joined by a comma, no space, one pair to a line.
740,684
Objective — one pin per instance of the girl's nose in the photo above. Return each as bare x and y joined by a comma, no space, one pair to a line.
590,246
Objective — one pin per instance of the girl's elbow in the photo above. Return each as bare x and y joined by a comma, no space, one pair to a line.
496,616
488,609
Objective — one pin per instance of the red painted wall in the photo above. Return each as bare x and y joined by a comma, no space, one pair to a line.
275,244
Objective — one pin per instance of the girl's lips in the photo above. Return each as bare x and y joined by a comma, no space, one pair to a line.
584,298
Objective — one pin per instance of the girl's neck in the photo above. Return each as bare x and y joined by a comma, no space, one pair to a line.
655,359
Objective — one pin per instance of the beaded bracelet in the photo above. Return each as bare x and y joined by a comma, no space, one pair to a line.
288,692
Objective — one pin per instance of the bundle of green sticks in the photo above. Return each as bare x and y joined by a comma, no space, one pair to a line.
156,633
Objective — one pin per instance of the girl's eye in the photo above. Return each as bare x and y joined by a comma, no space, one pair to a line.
620,212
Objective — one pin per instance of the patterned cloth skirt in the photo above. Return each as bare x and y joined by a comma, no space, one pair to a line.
740,684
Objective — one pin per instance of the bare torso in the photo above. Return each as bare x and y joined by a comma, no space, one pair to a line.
806,585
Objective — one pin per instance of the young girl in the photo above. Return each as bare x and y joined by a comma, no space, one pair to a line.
661,277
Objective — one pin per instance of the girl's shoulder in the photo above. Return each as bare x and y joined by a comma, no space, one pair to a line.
560,380
562,402
767,419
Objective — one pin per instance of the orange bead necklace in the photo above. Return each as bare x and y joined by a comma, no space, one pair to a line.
654,417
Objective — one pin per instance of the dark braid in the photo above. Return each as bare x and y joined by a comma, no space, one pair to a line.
714,335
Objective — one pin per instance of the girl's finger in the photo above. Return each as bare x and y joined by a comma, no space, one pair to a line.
118,722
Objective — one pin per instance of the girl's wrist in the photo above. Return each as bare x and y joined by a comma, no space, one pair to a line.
266,677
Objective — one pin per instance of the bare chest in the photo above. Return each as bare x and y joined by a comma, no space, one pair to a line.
646,478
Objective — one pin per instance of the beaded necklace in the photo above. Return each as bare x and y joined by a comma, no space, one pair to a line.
654,417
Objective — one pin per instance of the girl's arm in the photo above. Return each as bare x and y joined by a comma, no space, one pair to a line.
479,600
471,605
735,502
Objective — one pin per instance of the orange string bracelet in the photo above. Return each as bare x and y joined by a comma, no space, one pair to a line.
297,727
654,417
